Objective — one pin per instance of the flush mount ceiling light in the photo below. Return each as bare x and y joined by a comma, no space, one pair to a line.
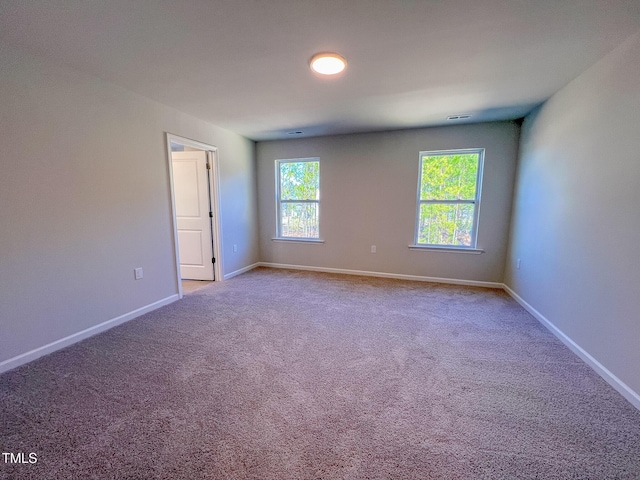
327,63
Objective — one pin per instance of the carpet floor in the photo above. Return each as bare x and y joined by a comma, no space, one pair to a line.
280,374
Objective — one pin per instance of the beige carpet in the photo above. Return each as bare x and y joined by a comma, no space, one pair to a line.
293,375
190,286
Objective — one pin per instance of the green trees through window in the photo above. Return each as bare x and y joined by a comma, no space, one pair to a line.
298,198
447,204
448,196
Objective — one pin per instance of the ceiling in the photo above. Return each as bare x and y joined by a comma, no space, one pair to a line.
243,64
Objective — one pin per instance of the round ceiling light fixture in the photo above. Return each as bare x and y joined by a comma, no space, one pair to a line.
327,63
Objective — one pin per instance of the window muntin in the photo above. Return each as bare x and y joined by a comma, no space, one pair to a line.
449,198
298,198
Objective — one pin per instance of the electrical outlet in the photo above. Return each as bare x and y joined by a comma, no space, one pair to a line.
518,264
138,273
373,249
235,248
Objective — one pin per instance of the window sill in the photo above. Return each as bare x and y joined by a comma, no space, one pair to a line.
298,240
471,251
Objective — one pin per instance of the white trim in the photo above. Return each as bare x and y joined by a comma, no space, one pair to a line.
610,378
190,142
241,270
212,155
438,248
174,222
86,333
365,273
298,240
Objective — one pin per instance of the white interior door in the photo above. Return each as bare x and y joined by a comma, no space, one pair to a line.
191,191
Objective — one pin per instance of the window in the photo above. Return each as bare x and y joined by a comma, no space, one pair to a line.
449,198
298,198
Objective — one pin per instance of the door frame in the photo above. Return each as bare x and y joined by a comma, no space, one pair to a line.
214,189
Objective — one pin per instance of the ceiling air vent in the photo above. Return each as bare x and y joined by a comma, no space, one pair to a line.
461,116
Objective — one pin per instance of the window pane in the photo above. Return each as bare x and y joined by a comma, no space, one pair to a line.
449,177
299,180
299,220
445,224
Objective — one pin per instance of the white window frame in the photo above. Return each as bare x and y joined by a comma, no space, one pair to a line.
472,248
279,202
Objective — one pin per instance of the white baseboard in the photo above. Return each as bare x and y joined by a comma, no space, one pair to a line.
399,276
241,270
76,337
610,378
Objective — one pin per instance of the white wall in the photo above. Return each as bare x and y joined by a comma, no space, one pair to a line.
576,224
84,198
368,185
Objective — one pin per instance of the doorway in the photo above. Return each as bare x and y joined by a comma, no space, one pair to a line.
194,200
